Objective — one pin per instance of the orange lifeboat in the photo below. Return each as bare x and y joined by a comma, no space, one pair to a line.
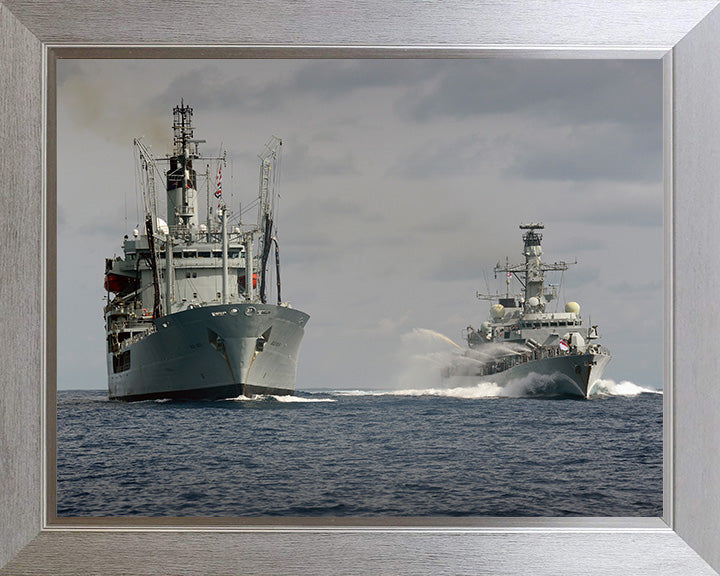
241,281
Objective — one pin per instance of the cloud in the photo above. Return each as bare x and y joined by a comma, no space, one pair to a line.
209,86
599,151
444,157
561,90
308,162
261,85
552,120
603,204
400,182
625,287
92,96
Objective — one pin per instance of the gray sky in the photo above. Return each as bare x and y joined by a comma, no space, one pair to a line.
403,183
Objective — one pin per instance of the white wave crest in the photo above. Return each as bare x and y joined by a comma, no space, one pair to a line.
242,398
480,390
300,399
532,385
285,398
622,388
359,392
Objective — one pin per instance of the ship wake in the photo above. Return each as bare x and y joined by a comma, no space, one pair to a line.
531,386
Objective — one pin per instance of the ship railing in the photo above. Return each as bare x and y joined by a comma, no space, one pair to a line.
179,231
507,362
125,344
599,349
123,325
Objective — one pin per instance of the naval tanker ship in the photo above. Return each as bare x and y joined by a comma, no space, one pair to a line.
524,340
187,315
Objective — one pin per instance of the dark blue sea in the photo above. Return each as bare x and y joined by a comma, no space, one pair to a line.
361,453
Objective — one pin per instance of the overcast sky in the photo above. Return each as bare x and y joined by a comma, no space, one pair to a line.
403,184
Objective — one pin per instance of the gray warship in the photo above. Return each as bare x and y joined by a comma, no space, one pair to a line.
551,351
187,315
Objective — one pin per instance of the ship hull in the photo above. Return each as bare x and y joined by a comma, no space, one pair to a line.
574,375
212,352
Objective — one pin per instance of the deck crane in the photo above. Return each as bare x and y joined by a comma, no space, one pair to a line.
149,167
269,173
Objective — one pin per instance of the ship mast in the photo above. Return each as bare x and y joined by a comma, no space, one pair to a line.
182,208
535,296
530,274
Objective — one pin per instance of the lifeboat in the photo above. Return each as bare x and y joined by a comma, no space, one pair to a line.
241,281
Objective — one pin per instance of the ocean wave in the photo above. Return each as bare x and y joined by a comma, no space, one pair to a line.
300,399
622,388
358,392
285,399
481,390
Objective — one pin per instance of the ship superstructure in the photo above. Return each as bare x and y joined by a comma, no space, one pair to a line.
524,339
187,314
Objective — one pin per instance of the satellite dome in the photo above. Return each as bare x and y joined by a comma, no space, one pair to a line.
497,311
572,307
533,301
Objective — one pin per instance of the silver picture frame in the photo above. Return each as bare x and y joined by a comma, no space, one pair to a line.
683,33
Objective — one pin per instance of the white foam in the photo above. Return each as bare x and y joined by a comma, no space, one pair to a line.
300,399
532,385
242,398
284,398
479,390
358,392
622,388
528,386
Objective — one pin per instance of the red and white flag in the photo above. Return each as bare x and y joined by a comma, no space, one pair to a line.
564,345
218,183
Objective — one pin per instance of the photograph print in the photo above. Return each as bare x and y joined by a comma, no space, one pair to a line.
359,288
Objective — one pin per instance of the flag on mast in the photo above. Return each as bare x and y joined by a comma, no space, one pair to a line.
218,183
